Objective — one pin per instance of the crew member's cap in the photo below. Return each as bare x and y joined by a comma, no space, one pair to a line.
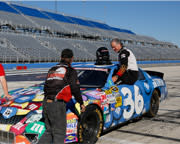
67,53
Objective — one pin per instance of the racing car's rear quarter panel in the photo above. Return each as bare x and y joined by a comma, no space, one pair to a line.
159,83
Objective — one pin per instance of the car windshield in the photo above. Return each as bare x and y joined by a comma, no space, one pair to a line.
92,77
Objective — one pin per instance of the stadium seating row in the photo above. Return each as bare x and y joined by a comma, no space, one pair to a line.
26,48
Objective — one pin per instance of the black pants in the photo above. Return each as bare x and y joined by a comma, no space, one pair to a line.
55,121
129,77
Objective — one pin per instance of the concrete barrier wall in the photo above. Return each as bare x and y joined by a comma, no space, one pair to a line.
25,66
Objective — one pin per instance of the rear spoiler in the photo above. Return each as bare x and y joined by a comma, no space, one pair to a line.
154,73
7,137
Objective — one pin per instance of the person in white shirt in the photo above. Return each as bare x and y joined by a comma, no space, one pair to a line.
128,70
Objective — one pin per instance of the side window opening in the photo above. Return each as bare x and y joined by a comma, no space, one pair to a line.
140,75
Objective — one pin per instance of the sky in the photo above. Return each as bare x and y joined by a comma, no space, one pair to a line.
158,19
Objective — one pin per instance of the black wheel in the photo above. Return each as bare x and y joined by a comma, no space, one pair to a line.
154,104
90,125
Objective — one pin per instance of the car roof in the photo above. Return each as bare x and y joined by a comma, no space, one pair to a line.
92,65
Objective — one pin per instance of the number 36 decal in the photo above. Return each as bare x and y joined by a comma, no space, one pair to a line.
131,106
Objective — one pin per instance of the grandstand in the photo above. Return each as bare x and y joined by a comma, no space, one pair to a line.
33,35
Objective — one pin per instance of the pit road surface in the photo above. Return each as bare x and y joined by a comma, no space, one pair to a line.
163,129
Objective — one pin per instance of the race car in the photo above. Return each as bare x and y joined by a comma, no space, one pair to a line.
107,105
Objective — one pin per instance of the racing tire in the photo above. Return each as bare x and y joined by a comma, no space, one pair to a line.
154,104
90,125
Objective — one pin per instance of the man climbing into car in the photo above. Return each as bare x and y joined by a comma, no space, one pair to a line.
60,85
128,70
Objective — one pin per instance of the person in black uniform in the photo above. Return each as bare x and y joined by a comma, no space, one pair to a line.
61,83
128,71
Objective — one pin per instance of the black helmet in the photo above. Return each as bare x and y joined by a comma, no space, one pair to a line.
67,53
102,56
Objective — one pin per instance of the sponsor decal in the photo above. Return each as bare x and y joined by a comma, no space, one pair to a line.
20,92
61,70
6,104
5,127
3,100
71,138
117,113
23,99
111,90
111,99
110,82
26,91
19,105
113,96
31,91
105,108
158,83
146,85
36,127
38,111
18,128
8,112
123,56
130,105
22,112
57,75
39,97
34,106
108,120
103,99
118,102
71,126
84,98
34,118
20,139
94,94
71,123
113,106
